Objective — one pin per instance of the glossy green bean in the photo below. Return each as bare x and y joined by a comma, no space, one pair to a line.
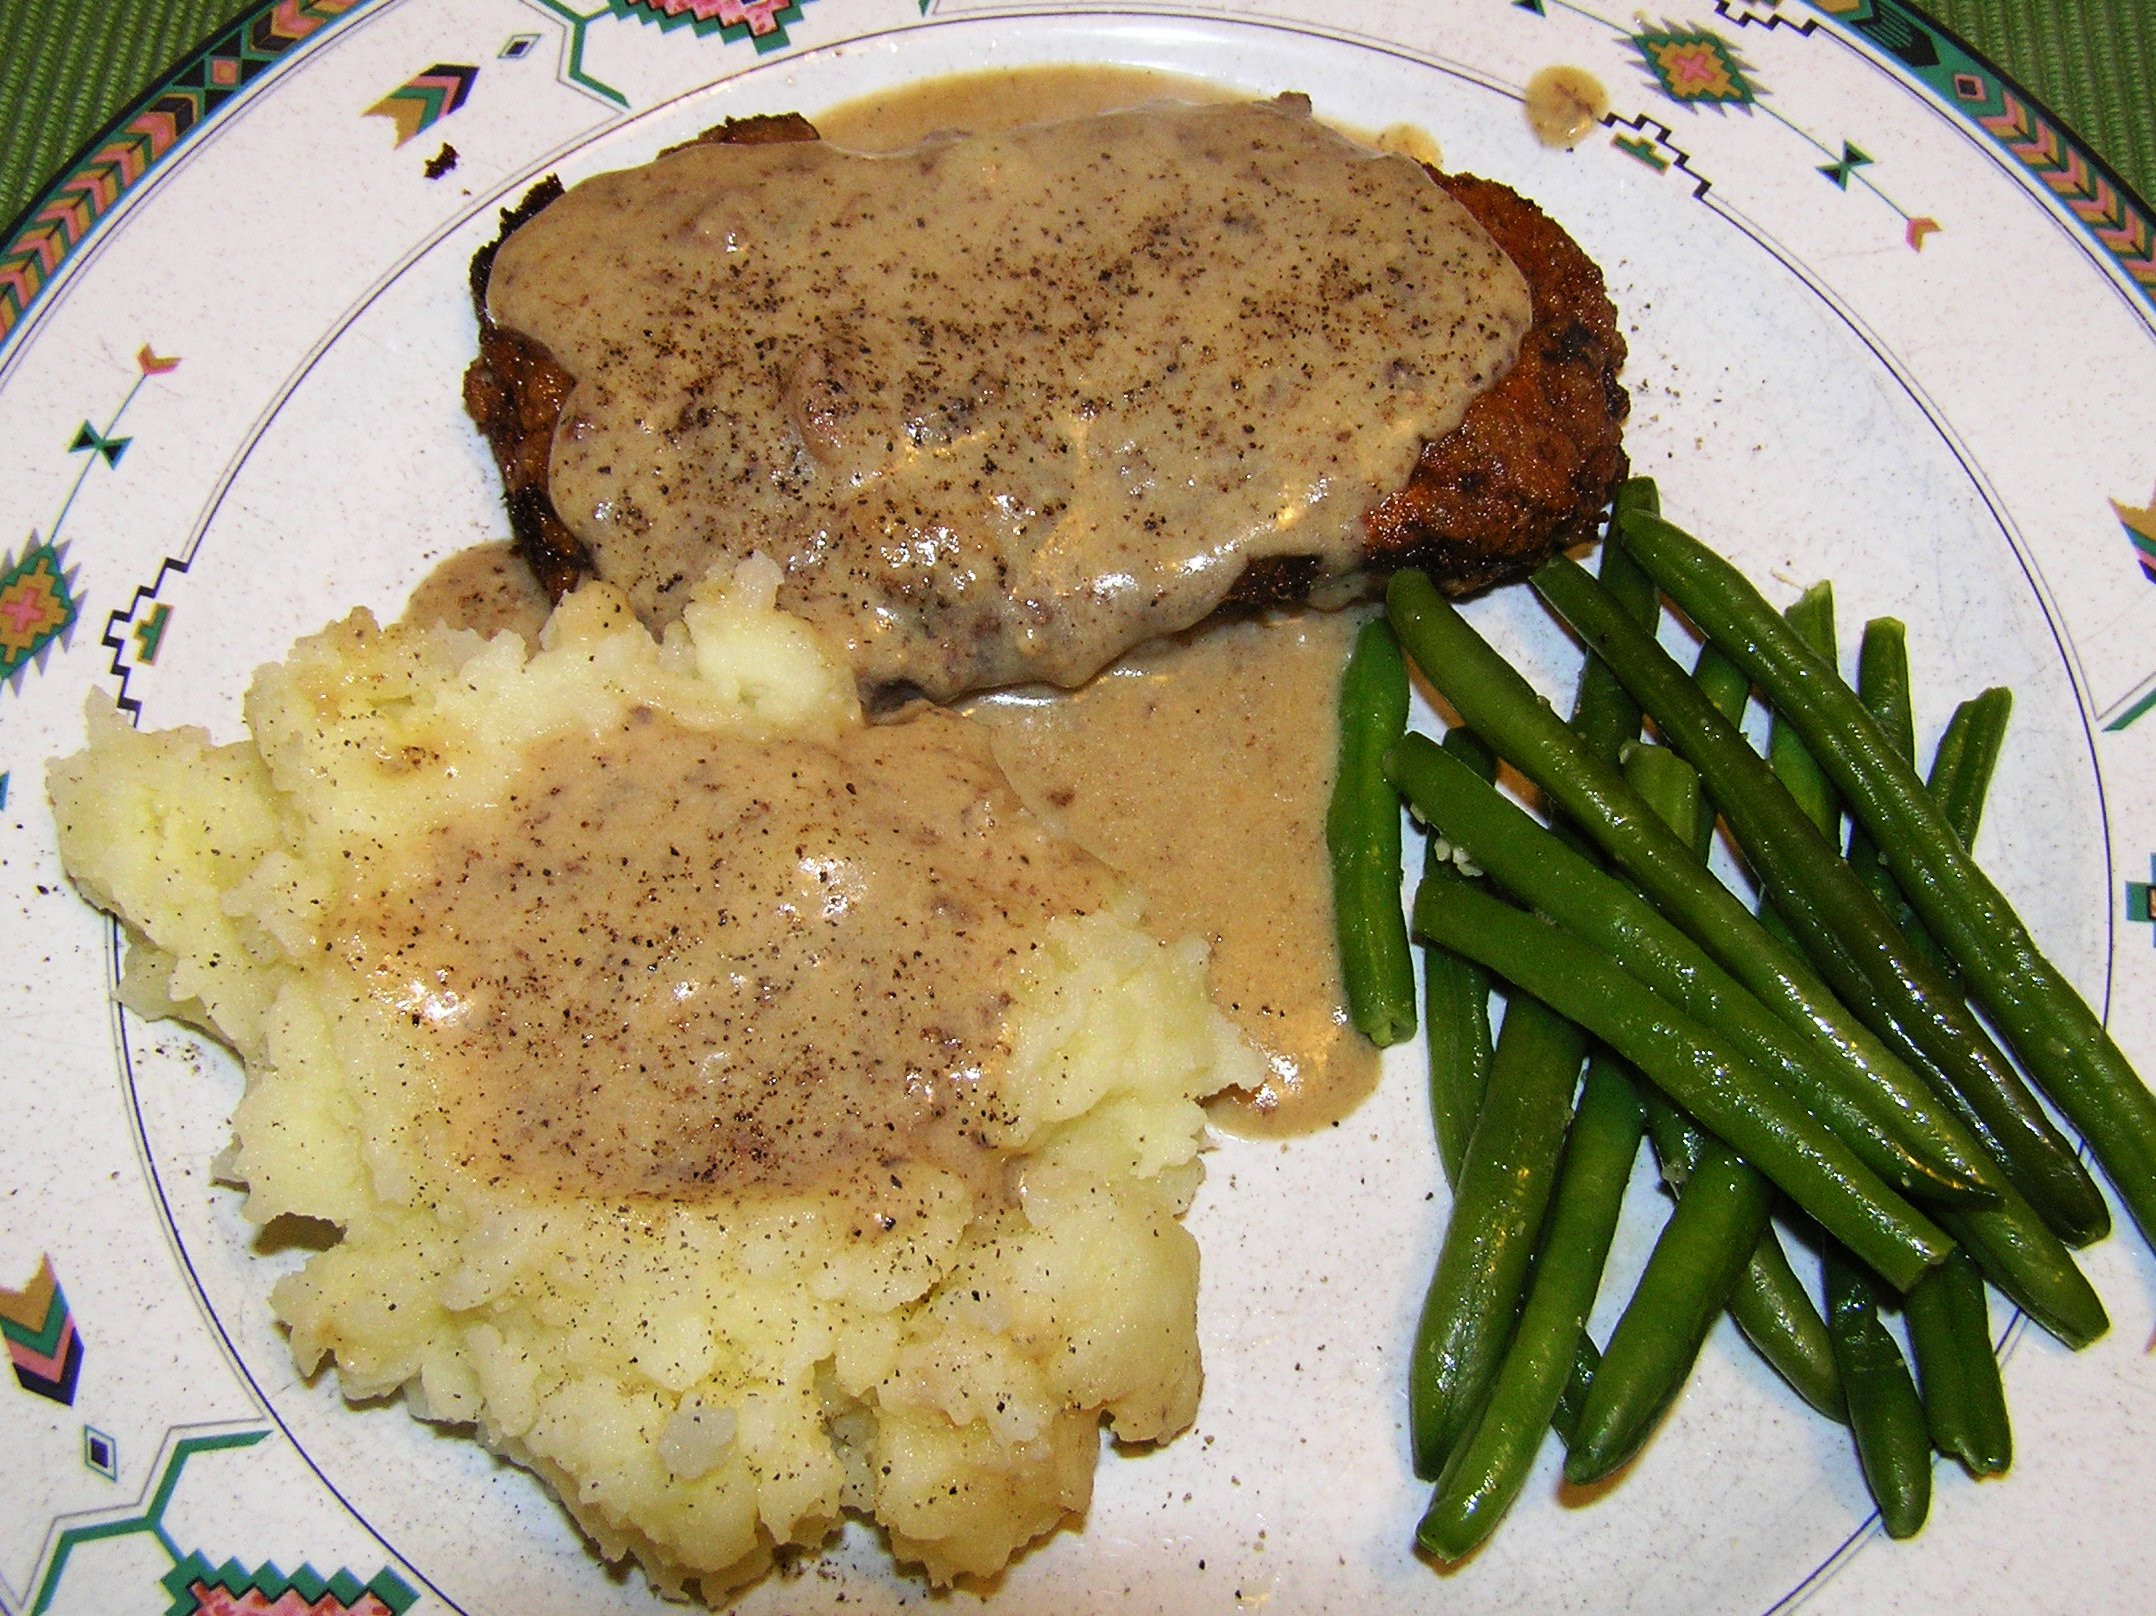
1566,1420
1768,1302
1913,1143
1690,1274
1505,1182
1812,618
1847,935
1697,1069
1455,1000
1362,834
1957,1369
1488,1468
1886,1417
2079,1214
1779,1318
1722,682
1968,751
2061,1042
1884,689
1595,796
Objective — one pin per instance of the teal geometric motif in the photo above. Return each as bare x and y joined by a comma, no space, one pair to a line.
87,437
151,1521
195,1586
100,1453
387,1595
1851,160
573,59
2137,899
150,634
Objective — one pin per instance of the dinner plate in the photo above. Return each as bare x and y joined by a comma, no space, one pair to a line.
1889,325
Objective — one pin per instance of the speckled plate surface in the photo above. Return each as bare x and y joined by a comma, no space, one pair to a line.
1888,326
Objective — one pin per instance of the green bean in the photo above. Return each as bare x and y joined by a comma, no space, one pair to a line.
1456,1000
1847,935
1687,1282
1961,769
1606,719
1883,688
1605,716
1362,832
1490,1465
1885,1415
1913,1143
1504,1190
1722,682
2059,1039
2017,1252
1957,1368
1778,1316
1505,710
2077,1213
1812,618
1950,1339
1768,1302
1696,1068
1566,1421
1456,1014
1662,777
1883,681
1968,751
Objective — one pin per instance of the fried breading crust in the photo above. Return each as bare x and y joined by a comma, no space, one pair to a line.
1538,456
1525,474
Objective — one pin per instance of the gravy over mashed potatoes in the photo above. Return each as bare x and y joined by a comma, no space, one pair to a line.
739,1115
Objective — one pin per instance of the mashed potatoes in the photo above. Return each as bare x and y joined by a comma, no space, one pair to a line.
719,1261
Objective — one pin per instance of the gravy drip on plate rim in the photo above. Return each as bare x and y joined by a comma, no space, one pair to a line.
685,965
1010,403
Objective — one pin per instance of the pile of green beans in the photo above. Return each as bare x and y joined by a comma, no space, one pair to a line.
1825,1068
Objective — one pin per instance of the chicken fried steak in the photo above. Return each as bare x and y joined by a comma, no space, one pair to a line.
1281,380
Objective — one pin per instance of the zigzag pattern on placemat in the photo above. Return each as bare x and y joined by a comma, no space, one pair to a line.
57,226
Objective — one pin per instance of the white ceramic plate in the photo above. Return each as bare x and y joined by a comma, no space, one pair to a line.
1885,328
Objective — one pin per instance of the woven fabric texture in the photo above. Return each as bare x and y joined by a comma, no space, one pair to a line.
69,67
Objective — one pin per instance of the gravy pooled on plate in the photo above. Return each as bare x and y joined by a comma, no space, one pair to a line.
1200,770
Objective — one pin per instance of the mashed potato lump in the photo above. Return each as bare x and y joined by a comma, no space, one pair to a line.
738,1114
